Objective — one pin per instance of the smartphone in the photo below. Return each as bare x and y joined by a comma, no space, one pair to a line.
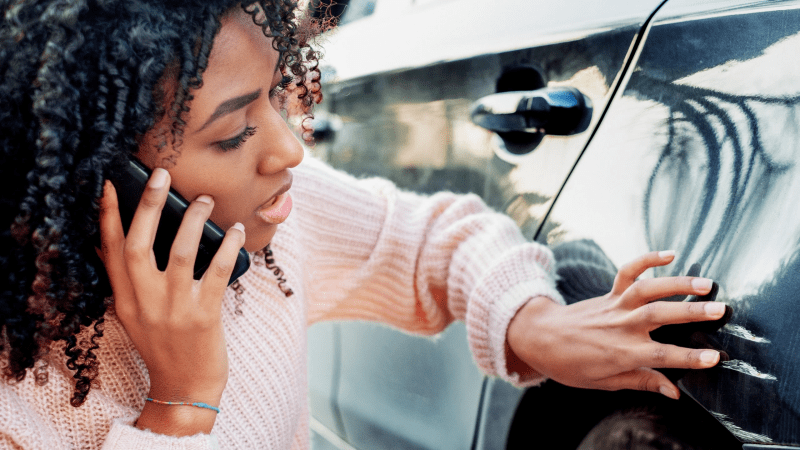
130,186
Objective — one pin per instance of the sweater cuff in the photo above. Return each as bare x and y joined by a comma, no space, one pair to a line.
124,436
496,300
505,310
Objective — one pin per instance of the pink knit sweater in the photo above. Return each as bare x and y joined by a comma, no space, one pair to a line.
352,249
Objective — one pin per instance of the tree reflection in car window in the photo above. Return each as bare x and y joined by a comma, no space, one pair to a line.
704,128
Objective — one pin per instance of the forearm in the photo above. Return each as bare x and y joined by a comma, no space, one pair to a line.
393,256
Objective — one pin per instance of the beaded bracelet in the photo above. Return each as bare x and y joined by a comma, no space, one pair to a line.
197,404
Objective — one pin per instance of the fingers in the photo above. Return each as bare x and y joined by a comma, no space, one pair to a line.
112,238
221,267
656,314
142,232
628,274
642,379
671,356
645,291
183,252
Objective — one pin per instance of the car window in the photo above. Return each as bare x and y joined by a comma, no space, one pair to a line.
357,9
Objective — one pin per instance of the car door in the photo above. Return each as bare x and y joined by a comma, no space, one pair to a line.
400,83
699,153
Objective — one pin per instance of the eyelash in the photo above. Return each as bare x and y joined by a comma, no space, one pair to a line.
233,144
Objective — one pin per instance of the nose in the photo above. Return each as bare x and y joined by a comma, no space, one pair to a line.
281,149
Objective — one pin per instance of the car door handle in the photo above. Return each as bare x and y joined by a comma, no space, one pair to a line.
560,111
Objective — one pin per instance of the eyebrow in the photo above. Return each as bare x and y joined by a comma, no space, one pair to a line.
237,103
229,106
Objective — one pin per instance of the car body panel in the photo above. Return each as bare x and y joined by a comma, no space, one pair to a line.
698,153
406,392
323,373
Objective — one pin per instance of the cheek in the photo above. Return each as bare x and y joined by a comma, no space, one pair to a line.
228,191
230,204
221,216
234,202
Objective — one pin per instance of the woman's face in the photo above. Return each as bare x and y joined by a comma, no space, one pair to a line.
236,146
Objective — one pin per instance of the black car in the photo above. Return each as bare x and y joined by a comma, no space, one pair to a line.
624,126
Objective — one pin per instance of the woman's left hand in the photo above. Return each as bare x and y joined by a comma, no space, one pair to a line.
604,342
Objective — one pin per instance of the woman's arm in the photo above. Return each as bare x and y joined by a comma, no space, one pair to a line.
419,262
173,320
415,262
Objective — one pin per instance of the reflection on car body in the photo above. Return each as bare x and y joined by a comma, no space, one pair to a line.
692,146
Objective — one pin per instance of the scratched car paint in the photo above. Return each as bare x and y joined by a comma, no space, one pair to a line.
691,144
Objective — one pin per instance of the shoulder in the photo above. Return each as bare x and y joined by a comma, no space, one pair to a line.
318,177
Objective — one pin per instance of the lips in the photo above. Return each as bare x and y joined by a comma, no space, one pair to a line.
277,209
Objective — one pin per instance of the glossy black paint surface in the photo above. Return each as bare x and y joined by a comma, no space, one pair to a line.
700,154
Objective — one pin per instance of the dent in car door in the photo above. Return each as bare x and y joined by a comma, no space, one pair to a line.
700,154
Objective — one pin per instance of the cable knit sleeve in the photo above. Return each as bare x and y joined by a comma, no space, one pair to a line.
34,417
124,436
416,262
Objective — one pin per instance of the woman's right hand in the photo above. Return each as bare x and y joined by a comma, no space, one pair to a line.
173,320
605,342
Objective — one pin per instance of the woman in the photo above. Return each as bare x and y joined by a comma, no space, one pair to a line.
195,90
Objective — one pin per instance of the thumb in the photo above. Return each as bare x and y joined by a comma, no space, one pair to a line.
641,379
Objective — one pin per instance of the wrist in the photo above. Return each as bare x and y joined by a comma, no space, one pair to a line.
176,420
522,326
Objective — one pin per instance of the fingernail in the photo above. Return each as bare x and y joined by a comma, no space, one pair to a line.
709,357
701,284
666,254
238,226
159,178
669,392
204,199
715,309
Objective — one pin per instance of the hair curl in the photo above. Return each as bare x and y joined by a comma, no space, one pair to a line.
81,84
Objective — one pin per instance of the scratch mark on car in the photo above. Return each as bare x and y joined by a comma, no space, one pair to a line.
747,369
739,433
742,332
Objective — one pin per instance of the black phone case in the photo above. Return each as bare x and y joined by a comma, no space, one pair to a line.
129,191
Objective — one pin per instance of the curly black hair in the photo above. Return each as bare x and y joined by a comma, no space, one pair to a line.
82,82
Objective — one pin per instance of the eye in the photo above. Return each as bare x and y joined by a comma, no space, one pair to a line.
236,142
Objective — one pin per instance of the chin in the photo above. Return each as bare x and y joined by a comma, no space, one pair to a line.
259,239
